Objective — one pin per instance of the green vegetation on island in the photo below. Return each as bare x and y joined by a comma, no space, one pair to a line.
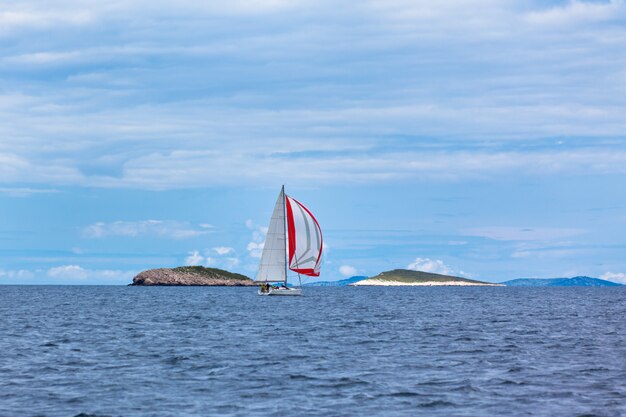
407,275
410,277
210,272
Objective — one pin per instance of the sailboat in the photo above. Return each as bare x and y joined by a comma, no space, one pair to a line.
293,242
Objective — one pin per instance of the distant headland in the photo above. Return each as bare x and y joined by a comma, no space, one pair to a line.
190,276
406,277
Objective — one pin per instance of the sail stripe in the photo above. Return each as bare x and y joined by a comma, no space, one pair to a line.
291,230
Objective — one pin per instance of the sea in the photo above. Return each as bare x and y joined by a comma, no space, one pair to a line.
336,351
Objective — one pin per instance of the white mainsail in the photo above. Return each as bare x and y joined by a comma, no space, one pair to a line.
274,256
305,239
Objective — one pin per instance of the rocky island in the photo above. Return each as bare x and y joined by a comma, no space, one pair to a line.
405,277
191,275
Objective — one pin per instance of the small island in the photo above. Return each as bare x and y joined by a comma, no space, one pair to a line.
405,277
191,276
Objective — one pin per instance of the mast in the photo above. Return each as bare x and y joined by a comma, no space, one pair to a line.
285,230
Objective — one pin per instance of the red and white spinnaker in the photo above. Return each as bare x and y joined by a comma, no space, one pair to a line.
305,239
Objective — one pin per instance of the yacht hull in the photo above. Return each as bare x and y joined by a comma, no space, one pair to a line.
282,292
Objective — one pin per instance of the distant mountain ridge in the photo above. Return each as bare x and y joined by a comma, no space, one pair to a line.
581,281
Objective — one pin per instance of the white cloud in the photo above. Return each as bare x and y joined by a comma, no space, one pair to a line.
62,134
435,266
227,263
347,270
68,274
223,250
325,249
194,259
19,18
199,140
18,275
16,169
544,252
523,233
68,271
158,228
25,192
578,12
245,7
182,169
619,277
255,249
231,262
78,273
224,262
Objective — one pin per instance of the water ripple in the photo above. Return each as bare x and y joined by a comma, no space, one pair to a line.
113,351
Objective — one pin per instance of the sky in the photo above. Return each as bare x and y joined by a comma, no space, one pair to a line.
478,138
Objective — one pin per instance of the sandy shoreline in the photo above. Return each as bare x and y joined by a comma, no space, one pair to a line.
378,282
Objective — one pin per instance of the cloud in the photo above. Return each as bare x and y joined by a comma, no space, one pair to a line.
25,192
18,169
255,247
223,250
221,261
18,275
575,12
523,233
380,114
194,259
184,169
434,266
547,246
224,263
619,277
158,228
67,273
546,252
347,270
13,19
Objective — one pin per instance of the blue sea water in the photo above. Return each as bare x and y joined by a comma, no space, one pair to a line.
340,351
